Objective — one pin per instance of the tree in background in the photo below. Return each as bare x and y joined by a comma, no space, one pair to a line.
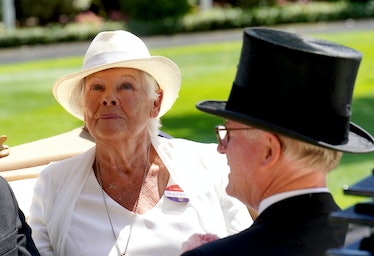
154,10
42,12
159,16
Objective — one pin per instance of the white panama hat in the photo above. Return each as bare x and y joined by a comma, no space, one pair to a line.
118,49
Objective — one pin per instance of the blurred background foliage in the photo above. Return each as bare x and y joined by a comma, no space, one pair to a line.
45,21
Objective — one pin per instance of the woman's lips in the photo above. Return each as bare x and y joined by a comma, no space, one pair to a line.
109,116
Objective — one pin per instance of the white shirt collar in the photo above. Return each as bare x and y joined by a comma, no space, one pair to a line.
278,197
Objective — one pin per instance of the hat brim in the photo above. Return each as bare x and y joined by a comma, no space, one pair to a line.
163,70
359,141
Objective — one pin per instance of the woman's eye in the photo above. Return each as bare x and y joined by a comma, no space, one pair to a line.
96,87
126,86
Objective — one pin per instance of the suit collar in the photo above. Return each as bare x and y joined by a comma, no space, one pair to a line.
299,207
278,197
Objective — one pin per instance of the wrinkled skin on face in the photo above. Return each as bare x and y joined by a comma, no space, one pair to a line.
117,105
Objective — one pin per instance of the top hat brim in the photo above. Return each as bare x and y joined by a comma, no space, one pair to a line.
359,141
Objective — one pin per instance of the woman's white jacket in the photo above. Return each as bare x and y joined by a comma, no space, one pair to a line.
197,168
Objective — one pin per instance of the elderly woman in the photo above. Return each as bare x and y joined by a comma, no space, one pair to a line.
134,192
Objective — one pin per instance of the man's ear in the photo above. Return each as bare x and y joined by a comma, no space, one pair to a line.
273,149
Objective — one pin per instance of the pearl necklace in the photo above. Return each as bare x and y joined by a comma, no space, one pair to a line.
119,253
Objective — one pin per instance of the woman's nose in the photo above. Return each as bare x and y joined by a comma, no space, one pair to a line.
109,100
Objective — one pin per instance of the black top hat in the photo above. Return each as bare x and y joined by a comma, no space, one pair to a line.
297,86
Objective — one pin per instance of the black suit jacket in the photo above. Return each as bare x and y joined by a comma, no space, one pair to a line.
297,226
15,233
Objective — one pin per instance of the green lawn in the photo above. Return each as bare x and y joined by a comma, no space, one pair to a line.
29,111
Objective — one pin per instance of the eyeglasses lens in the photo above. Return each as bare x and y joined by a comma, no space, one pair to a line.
222,136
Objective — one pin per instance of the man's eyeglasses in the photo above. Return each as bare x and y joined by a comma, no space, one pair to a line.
223,134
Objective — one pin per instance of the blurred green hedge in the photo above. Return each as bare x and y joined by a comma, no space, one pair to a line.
214,19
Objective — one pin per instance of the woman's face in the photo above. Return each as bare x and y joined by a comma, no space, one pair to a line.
117,105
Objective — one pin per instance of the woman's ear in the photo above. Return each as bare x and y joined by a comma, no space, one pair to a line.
157,103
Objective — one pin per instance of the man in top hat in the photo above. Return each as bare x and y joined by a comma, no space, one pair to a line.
287,124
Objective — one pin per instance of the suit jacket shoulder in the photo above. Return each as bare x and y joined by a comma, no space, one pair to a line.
295,226
15,233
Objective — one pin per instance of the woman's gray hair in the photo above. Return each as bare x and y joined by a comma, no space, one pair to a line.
151,87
